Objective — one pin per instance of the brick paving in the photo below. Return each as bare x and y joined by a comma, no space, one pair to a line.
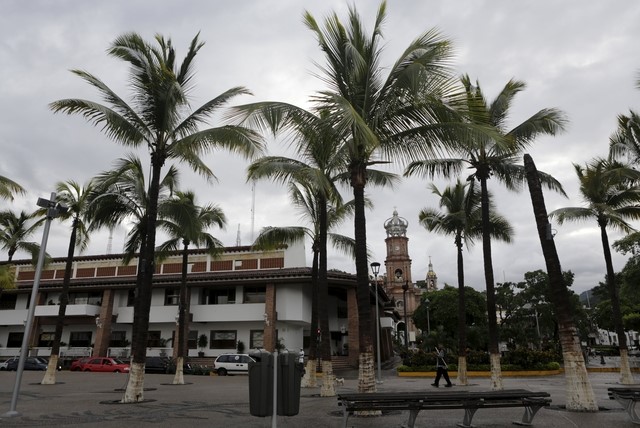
91,400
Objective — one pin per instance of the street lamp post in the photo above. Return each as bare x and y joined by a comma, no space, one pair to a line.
405,287
53,210
375,269
426,302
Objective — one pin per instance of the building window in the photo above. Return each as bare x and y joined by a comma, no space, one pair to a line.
131,297
80,339
91,298
219,296
342,311
8,301
15,340
154,340
254,294
46,339
118,339
192,342
223,339
171,296
257,339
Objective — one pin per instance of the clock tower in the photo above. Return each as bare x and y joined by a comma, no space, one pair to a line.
398,283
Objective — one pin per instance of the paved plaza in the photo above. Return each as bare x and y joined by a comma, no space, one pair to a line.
91,400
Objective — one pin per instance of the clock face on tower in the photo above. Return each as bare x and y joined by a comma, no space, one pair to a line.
396,248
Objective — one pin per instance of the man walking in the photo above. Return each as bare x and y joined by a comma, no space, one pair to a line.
441,367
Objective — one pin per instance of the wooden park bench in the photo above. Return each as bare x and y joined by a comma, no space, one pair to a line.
470,401
628,397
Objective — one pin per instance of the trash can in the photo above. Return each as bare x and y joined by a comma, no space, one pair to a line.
261,384
289,377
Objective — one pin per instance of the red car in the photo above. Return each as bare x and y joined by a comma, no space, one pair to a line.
105,364
76,365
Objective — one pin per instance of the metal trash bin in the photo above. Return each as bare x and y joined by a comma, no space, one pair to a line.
289,378
261,384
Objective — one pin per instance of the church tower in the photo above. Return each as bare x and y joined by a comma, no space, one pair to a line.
432,279
398,283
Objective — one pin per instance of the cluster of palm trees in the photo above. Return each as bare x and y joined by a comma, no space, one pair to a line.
416,112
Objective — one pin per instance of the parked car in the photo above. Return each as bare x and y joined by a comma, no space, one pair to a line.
77,365
232,363
105,364
3,365
157,365
30,363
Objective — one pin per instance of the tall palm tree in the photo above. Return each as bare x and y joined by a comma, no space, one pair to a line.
186,224
497,158
76,198
381,114
611,191
462,218
155,118
580,395
310,206
16,229
313,178
9,187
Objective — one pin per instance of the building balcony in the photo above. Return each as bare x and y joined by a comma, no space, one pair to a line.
72,310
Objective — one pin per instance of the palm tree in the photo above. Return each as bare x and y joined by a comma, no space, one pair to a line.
156,119
120,196
495,157
311,207
580,395
186,224
624,144
76,198
395,114
462,218
16,229
8,188
612,194
313,180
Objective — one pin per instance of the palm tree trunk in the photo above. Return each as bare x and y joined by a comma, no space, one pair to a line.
626,377
182,329
135,387
580,396
328,386
50,374
309,379
462,325
366,374
494,351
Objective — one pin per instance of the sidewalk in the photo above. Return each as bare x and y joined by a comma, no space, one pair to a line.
91,400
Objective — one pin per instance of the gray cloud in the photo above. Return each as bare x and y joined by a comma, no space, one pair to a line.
578,56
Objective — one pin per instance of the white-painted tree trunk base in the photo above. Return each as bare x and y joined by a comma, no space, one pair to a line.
462,371
135,387
580,396
496,373
178,379
626,378
366,373
367,380
50,375
328,380
309,378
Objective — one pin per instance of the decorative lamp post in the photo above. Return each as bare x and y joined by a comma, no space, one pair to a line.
54,209
375,269
426,303
405,287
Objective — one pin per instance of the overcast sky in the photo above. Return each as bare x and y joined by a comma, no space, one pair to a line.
578,56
